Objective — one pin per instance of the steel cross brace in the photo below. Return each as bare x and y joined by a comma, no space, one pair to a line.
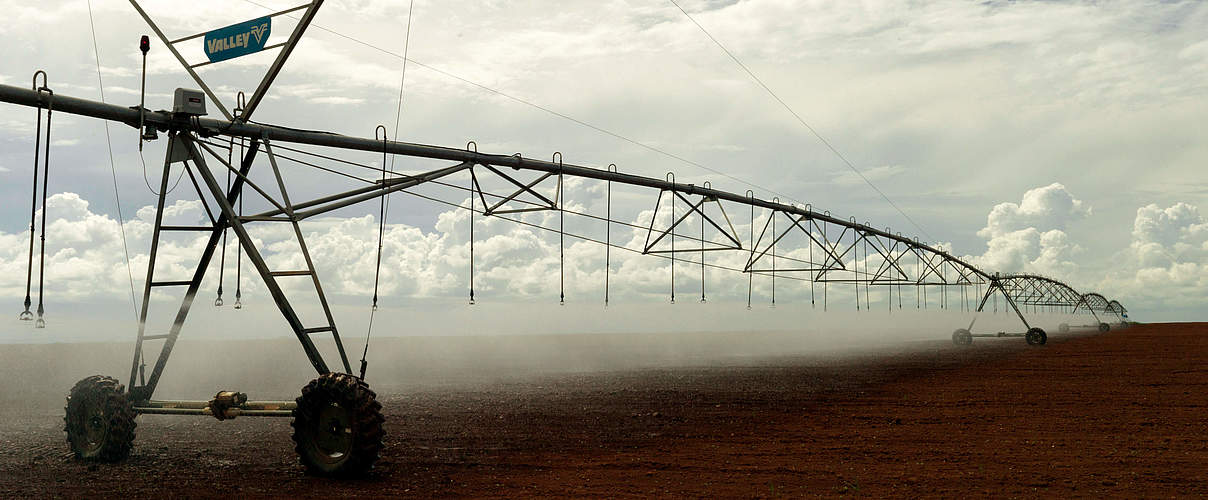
996,285
523,188
887,262
796,224
141,392
266,275
698,208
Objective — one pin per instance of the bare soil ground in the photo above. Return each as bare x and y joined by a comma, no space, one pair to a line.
1122,414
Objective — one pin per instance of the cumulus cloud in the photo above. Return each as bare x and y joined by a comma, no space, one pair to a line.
85,258
1030,235
1166,263
1050,206
1022,89
1173,226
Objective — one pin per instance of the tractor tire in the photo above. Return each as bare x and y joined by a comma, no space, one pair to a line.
99,420
1063,328
962,337
1036,336
1104,327
338,426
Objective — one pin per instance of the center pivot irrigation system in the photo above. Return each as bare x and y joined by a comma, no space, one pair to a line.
337,421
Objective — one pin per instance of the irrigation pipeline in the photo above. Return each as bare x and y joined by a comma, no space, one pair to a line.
208,127
891,248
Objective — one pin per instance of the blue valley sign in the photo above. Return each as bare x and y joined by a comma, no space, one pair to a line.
237,40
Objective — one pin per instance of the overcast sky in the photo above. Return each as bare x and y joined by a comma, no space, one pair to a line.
1064,138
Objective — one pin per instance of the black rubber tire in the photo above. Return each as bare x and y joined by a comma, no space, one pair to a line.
1063,328
1104,327
350,441
962,337
1036,336
99,420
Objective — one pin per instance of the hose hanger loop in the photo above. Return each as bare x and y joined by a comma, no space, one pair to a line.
240,105
35,81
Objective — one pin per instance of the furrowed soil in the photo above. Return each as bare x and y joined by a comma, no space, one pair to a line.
1121,414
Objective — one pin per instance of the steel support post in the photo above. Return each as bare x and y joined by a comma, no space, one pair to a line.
145,390
253,254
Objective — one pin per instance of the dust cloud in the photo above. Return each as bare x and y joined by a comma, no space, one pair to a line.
503,343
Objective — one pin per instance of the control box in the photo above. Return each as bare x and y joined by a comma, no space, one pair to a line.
189,102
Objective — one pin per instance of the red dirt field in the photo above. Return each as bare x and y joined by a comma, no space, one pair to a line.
1122,414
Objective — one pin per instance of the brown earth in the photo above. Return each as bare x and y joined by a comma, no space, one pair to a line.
1122,414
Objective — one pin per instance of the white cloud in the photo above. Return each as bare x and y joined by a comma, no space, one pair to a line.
1030,236
1169,227
1011,92
1164,267
1050,206
1166,264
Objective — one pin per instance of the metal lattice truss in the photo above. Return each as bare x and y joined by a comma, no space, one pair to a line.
1040,292
786,241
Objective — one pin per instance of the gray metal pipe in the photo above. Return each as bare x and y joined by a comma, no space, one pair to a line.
208,126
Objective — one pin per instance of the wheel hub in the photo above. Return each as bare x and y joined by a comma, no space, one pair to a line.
334,437
95,428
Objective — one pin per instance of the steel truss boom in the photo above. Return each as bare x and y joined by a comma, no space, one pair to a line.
165,121
337,421
888,259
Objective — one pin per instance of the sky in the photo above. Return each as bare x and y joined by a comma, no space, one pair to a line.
1062,138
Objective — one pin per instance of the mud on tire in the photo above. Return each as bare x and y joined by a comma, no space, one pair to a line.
338,426
99,420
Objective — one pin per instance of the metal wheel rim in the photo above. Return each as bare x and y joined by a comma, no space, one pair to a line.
333,433
94,425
